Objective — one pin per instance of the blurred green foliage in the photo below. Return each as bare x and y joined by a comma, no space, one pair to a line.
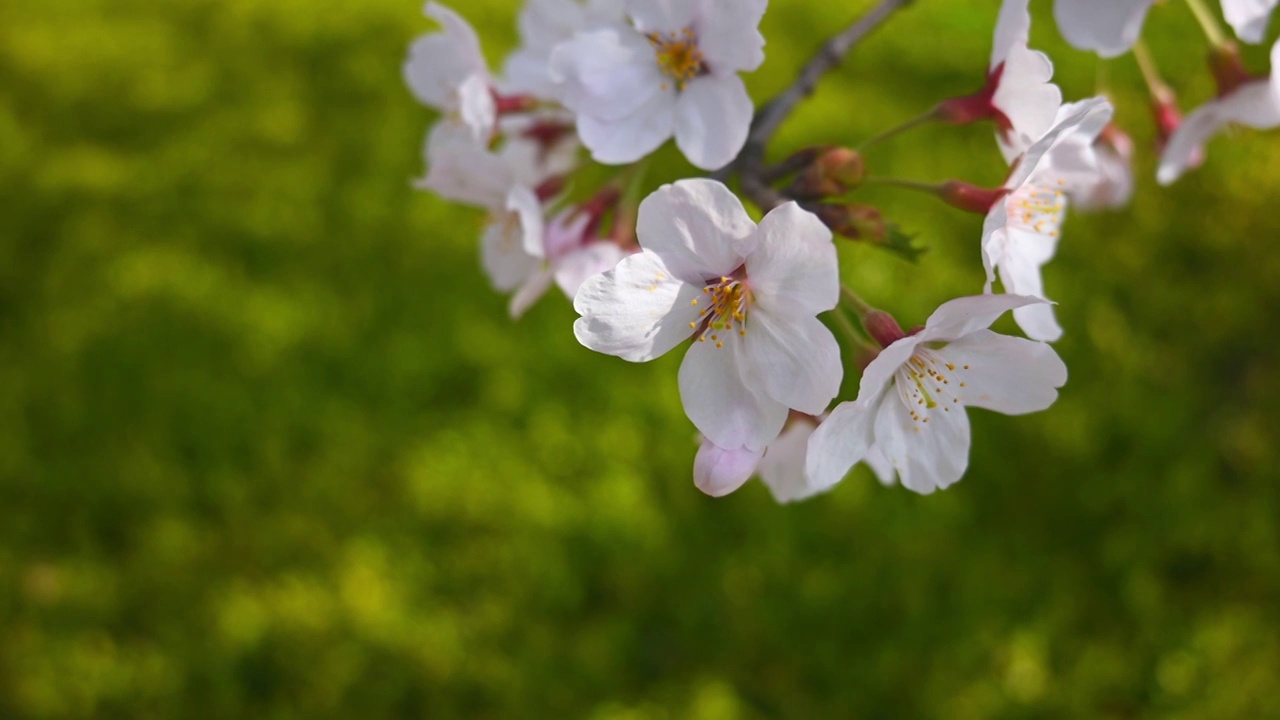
270,447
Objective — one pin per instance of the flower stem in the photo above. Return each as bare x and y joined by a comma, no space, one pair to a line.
914,122
931,188
851,330
1208,23
859,305
1155,85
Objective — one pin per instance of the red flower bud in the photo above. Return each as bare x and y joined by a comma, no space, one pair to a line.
883,328
969,197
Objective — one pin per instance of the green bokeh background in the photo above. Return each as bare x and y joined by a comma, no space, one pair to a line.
270,446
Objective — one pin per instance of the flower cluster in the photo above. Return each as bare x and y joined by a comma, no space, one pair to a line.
753,304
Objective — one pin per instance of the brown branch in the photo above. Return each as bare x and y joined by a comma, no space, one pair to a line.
749,164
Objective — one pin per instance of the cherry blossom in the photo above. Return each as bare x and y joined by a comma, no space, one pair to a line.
1019,95
512,238
1021,230
505,182
1255,104
1248,17
1107,27
912,398
718,472
672,72
748,295
1024,95
566,257
544,24
1112,187
447,71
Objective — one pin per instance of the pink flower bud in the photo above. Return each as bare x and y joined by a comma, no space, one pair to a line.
883,328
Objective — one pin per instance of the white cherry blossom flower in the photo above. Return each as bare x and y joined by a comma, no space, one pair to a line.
544,24
1255,104
566,258
718,472
512,239
463,170
748,295
1248,17
1107,27
672,72
1024,95
1021,230
505,183
447,71
1112,187
912,399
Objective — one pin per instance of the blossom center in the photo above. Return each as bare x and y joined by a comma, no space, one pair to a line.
678,56
1037,209
927,383
723,310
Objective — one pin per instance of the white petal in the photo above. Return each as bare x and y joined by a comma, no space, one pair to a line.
994,232
631,137
718,472
1084,119
1255,104
928,456
878,373
527,71
609,73
477,108
1071,163
574,268
1013,28
636,311
1108,27
502,252
783,466
956,318
793,359
1006,374
794,269
713,114
1248,18
839,443
461,170
1028,99
698,227
537,284
663,16
439,62
1021,276
728,35
720,404
1113,186
1039,322
880,466
522,201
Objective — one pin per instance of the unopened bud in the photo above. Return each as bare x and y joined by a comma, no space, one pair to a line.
1227,68
969,197
835,171
883,328
843,165
853,220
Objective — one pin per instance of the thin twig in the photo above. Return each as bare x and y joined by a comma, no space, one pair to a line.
750,162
